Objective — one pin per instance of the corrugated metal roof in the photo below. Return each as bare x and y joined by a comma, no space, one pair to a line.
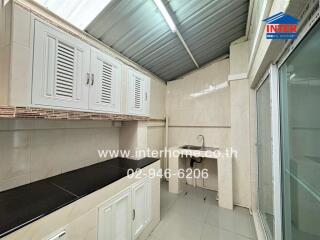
137,29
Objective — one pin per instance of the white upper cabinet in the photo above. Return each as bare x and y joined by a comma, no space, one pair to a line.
70,74
105,79
138,93
60,66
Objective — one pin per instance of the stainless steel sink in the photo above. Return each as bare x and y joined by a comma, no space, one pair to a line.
192,147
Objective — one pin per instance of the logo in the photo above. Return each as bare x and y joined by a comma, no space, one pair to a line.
281,27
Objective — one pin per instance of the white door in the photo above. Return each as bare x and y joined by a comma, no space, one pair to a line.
141,204
115,218
105,84
138,93
60,67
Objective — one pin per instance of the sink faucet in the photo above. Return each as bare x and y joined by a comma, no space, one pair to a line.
200,136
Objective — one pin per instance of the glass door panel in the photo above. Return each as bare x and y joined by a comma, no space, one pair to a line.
265,166
300,133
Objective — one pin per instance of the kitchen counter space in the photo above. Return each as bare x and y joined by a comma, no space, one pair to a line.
28,203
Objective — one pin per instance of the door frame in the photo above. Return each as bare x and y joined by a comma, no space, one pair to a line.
273,75
304,32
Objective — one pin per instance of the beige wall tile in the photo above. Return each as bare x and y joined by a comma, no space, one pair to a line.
200,98
21,124
14,162
156,139
14,182
239,58
14,139
158,99
14,159
35,149
57,151
214,137
30,153
200,104
240,141
47,154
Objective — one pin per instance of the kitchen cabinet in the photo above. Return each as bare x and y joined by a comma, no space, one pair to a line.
53,67
68,73
115,218
138,93
141,204
105,83
126,215
60,67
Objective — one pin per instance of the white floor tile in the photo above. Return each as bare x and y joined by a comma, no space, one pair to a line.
195,215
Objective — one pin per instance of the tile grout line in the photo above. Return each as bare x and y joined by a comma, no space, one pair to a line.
64,189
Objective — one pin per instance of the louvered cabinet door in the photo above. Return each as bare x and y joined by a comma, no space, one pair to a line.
60,66
138,93
104,94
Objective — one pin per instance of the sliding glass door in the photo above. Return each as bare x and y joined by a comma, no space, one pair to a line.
300,139
268,154
264,147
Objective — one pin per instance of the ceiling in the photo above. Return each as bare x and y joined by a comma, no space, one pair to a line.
137,29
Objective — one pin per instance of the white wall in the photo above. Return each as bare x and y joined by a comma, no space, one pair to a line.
193,110
240,126
31,150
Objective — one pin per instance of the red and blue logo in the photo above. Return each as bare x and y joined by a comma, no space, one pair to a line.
281,27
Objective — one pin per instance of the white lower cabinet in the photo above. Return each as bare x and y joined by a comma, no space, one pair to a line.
125,216
141,203
115,218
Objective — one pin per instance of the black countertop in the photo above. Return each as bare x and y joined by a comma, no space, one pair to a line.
25,204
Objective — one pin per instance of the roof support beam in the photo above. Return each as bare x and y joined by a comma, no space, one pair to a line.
187,48
167,15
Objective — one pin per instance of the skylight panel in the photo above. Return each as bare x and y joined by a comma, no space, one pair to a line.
80,13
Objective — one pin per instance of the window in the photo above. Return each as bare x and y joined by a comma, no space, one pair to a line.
80,13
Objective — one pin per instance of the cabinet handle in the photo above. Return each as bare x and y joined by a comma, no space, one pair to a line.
146,96
92,79
88,78
59,235
133,214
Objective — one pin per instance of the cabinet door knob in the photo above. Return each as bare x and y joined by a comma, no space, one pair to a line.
92,79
